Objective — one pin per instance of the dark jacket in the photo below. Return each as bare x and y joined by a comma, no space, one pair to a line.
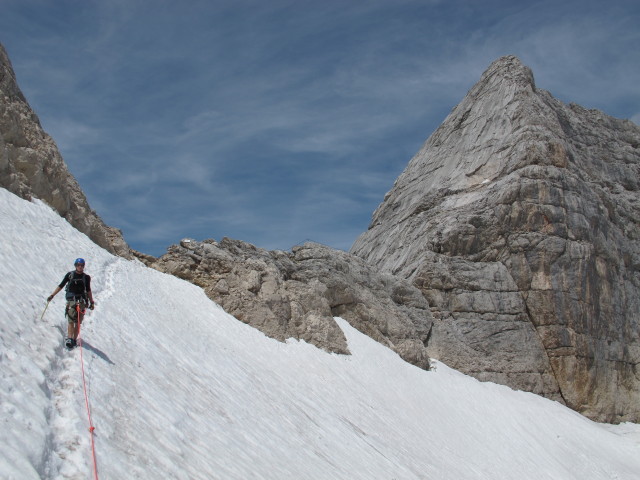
78,285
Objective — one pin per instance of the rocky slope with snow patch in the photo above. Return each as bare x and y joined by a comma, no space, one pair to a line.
297,294
31,165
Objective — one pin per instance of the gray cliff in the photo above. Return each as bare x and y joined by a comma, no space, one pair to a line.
519,220
31,166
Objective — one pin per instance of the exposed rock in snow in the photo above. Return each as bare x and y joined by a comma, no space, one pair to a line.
297,294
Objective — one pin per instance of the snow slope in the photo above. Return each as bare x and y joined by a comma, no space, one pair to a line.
179,389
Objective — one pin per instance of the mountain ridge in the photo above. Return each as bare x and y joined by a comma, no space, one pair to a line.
495,251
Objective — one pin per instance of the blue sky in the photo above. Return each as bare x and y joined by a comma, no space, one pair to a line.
277,122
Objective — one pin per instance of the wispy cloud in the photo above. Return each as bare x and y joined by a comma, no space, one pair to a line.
279,121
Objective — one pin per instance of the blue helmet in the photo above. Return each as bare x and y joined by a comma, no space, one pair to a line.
79,261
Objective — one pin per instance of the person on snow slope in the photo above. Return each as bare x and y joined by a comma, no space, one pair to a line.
78,296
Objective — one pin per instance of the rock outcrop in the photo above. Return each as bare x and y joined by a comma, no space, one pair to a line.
519,220
296,294
31,166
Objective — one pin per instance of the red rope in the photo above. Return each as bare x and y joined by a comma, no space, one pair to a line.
86,400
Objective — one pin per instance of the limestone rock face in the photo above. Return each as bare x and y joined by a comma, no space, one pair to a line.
31,166
519,220
296,294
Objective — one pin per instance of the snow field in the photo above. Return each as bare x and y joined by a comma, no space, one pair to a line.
179,389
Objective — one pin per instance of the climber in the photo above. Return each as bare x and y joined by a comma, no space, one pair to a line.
79,296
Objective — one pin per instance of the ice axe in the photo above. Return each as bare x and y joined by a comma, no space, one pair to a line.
45,309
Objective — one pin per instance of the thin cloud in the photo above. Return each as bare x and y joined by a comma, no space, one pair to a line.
279,121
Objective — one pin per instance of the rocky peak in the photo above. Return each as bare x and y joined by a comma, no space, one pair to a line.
519,220
500,109
505,70
31,165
